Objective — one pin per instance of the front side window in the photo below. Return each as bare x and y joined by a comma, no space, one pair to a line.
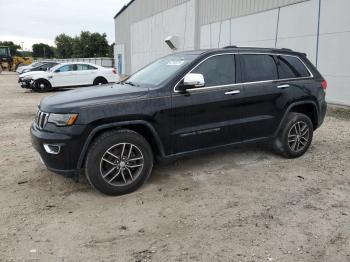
291,67
217,70
65,68
258,68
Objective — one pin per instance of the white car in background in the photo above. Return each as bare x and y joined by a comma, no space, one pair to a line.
69,75
22,68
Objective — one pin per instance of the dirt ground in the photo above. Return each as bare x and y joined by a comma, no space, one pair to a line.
243,204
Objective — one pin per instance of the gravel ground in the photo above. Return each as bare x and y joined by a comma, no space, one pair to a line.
243,204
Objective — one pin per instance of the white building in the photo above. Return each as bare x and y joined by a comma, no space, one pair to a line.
320,28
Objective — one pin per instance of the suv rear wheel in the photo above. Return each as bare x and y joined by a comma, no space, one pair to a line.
295,137
119,162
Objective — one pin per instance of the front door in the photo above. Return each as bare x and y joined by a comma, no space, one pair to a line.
63,76
208,116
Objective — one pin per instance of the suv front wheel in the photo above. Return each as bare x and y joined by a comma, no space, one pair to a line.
295,137
119,162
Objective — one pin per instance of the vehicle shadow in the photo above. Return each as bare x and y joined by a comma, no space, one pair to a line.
216,160
229,158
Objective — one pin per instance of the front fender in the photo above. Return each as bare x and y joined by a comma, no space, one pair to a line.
98,129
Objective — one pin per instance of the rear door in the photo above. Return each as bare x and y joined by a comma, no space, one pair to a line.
268,86
84,75
208,116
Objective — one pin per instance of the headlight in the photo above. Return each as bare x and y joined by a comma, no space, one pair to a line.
63,119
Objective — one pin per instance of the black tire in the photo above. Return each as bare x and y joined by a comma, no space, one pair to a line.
295,137
42,85
127,178
100,81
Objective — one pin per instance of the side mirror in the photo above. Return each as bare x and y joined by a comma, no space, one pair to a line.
194,80
191,81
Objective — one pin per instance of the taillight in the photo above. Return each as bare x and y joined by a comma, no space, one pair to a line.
324,84
114,71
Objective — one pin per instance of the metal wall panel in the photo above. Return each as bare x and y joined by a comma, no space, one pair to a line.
217,10
148,35
208,11
137,11
334,52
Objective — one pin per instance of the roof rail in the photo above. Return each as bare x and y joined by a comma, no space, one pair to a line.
230,46
286,49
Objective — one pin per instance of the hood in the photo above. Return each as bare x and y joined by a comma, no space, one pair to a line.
31,73
72,101
21,68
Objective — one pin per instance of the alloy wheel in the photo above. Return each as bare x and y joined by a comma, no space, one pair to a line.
121,164
298,136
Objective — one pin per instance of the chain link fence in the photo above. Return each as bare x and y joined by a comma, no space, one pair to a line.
101,61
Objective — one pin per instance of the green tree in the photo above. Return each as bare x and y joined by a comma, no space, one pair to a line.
13,47
97,44
85,45
43,51
64,44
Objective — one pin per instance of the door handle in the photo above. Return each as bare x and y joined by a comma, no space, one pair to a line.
283,86
233,92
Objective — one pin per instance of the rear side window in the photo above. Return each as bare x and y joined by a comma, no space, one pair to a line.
291,67
90,67
82,67
258,68
217,70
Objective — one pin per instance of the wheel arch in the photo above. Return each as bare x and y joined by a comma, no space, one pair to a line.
141,127
308,108
99,77
42,79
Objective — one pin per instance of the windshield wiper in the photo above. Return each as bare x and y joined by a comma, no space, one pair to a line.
130,83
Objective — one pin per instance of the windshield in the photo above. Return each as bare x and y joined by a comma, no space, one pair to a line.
52,69
161,70
3,51
36,64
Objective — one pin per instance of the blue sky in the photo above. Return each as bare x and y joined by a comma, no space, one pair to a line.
42,20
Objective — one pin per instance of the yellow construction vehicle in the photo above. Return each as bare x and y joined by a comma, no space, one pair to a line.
11,63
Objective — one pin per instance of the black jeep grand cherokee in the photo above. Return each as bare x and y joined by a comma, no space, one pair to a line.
181,104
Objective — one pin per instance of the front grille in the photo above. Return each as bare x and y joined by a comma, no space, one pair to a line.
41,119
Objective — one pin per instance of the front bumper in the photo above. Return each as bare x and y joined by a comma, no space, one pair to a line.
65,162
25,83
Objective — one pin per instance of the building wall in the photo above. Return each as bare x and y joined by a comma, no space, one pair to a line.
137,11
206,11
296,27
320,28
252,30
334,52
147,36
217,10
